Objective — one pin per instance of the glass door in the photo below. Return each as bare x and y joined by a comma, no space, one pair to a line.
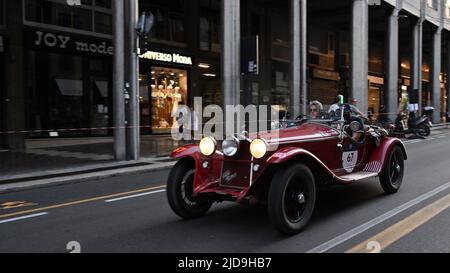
145,104
100,97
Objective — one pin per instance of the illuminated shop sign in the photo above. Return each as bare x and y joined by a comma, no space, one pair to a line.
173,58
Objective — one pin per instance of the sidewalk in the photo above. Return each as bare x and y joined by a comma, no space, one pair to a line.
58,157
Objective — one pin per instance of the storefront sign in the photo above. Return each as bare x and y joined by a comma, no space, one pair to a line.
68,43
327,75
173,58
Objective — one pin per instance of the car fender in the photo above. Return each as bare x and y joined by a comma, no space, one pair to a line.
381,154
203,176
284,155
187,151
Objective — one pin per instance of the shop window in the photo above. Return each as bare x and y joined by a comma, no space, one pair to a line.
322,48
160,96
210,4
280,85
145,104
205,34
103,3
170,20
2,13
68,92
210,87
210,26
209,34
280,38
178,31
103,22
92,16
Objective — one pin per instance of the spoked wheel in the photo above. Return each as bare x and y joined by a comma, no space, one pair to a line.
292,197
392,176
180,187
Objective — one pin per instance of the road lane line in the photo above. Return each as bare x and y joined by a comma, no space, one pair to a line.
80,202
133,196
376,221
405,227
413,141
23,217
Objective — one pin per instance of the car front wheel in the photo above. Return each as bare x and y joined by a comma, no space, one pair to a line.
391,177
180,187
292,198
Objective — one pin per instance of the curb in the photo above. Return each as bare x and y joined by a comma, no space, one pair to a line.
80,178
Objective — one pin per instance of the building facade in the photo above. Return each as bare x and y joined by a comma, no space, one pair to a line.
56,60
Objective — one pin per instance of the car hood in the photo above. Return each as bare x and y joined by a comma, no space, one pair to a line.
307,131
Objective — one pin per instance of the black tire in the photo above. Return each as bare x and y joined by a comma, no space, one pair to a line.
391,177
425,131
179,192
292,197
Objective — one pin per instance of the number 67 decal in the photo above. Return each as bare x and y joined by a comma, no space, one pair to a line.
349,160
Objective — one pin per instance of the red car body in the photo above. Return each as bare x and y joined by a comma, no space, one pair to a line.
318,146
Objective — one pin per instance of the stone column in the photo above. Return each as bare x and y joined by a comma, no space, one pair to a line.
359,58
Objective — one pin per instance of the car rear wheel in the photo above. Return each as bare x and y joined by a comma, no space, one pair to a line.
292,198
391,177
180,187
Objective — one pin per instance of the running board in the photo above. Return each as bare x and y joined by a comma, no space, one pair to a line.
358,176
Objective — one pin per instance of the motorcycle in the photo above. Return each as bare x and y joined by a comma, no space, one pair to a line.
419,126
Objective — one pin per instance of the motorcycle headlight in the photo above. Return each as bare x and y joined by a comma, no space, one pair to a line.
258,148
230,146
208,146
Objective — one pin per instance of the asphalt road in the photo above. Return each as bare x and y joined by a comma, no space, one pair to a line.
132,215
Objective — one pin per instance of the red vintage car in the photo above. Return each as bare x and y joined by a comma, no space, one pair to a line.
282,169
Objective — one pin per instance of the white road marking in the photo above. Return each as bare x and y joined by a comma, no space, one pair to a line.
23,217
378,220
413,141
133,196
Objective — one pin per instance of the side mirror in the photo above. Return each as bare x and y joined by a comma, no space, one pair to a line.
355,126
145,24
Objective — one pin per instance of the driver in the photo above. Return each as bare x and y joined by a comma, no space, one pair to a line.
349,118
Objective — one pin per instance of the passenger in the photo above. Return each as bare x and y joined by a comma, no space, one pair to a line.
349,118
337,104
315,110
355,110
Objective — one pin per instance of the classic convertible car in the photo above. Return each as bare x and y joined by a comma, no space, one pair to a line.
282,169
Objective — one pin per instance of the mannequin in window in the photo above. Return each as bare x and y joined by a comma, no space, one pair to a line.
176,100
160,97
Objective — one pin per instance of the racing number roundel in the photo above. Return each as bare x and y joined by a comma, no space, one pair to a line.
349,160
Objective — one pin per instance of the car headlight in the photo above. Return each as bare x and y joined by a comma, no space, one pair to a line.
208,146
230,146
258,148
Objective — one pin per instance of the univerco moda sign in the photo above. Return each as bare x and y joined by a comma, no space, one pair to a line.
173,58
62,42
